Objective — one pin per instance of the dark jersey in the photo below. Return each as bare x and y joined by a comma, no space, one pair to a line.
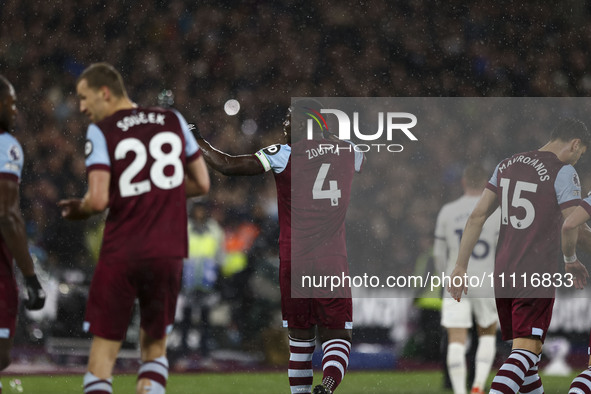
532,189
313,180
146,151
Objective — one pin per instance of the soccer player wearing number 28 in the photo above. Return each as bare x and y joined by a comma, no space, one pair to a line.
535,191
142,163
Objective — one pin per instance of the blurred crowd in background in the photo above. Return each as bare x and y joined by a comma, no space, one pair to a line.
263,53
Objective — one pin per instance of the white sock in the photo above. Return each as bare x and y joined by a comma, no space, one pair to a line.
485,355
92,384
156,371
456,366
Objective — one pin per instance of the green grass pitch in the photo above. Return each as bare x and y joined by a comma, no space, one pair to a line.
260,383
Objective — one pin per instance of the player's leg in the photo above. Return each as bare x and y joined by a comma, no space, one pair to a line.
297,318
5,348
153,373
302,343
485,313
526,321
159,283
108,308
8,315
582,383
101,360
524,356
485,355
456,358
336,348
456,317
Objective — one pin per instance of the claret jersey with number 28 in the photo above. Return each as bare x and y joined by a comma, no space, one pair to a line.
146,151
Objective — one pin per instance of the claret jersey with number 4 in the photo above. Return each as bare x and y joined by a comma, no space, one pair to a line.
532,189
146,151
313,180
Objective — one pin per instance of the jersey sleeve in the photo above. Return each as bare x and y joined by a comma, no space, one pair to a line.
359,157
567,187
586,204
95,150
192,150
11,158
493,181
274,157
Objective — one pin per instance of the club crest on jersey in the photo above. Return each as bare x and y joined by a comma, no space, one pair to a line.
14,153
576,181
88,148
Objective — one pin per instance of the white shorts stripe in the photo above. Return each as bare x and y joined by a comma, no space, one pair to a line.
537,331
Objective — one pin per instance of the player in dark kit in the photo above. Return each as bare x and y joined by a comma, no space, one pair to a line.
535,191
313,196
13,237
142,163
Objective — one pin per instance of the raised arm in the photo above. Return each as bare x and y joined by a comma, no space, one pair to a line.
227,164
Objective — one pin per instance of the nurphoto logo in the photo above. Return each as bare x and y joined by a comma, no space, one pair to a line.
396,124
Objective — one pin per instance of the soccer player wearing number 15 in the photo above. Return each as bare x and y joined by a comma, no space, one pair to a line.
536,190
142,163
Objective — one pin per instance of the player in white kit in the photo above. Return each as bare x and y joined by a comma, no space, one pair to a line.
479,304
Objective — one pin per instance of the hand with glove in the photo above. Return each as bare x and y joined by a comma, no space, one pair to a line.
35,293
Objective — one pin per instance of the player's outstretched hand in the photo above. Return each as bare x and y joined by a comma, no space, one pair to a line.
35,293
457,284
71,209
579,273
195,131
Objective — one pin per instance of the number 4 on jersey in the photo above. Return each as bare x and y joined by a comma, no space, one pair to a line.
333,193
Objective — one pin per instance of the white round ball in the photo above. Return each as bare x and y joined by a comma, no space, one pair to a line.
232,107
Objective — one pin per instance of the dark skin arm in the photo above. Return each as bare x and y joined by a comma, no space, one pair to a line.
227,164
12,226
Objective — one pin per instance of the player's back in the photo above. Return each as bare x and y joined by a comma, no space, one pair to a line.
528,187
147,210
